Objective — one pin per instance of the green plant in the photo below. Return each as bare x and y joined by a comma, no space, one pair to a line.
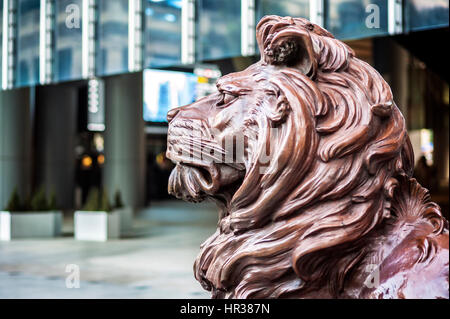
52,201
26,203
118,203
104,201
14,203
92,200
97,201
36,201
39,200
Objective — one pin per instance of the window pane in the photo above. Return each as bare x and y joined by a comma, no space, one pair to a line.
425,14
293,8
112,48
27,55
1,42
162,37
350,19
218,29
68,56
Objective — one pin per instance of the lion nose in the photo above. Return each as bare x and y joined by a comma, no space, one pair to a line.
172,113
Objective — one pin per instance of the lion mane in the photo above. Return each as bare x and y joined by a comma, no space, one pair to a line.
342,152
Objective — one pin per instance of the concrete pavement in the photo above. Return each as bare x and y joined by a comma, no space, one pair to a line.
154,261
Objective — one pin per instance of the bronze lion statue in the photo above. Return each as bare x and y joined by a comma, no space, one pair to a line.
309,161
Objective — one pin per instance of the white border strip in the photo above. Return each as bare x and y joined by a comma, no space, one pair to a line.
132,35
5,42
6,34
88,32
248,21
316,12
42,43
188,32
135,33
395,17
85,39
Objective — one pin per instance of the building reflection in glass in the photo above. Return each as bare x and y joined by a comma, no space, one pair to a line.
218,29
1,41
347,19
162,32
27,51
112,31
293,8
164,90
425,14
68,37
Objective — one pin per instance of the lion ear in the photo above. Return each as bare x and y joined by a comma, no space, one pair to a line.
280,112
288,45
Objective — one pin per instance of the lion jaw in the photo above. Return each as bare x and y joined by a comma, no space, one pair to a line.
200,170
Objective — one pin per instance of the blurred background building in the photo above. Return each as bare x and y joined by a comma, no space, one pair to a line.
86,84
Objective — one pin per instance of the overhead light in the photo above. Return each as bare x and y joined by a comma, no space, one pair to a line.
101,159
170,17
86,161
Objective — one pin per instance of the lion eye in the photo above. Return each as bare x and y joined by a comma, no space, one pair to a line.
226,98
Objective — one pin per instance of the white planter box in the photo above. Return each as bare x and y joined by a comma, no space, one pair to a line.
96,226
126,219
15,225
59,220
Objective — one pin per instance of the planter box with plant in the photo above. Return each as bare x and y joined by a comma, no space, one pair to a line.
97,222
126,214
35,218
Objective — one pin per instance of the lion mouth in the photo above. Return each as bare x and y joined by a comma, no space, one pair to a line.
193,183
202,167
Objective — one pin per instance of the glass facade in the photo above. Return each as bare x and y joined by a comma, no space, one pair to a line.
293,8
112,31
27,51
350,19
68,29
1,42
162,32
217,36
218,29
425,14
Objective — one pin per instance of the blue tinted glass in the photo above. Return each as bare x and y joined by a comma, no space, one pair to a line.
351,19
164,90
292,8
425,14
1,42
162,35
27,56
112,44
68,52
218,29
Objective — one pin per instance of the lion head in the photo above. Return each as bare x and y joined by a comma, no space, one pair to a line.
337,143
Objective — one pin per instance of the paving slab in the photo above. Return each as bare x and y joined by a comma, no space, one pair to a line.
154,260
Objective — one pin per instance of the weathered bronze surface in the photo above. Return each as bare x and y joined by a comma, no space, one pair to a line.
335,212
